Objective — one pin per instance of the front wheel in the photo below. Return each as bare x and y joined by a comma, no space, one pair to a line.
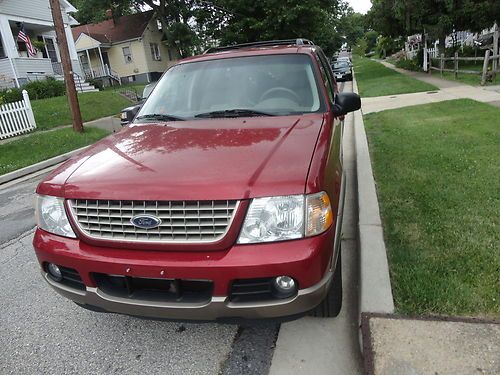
332,303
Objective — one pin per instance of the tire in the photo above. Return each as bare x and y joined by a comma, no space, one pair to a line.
332,304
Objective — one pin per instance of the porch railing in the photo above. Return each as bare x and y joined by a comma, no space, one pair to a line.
57,67
102,72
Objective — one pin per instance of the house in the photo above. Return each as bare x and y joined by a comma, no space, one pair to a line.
35,16
123,49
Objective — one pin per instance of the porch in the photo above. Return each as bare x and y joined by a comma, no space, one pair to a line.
16,66
94,64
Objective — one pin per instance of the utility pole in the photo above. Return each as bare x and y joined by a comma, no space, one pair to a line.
66,65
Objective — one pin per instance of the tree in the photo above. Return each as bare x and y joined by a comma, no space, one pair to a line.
352,26
438,18
95,11
271,19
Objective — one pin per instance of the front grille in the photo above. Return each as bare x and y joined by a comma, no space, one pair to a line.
181,221
155,290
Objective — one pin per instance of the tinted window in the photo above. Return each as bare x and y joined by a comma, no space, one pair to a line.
277,84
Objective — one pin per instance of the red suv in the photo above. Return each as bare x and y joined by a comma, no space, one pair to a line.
222,199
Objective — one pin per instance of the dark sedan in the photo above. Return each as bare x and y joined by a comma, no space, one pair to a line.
342,70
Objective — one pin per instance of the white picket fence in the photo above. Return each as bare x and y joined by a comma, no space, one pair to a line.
16,118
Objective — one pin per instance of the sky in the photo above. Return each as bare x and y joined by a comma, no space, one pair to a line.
360,6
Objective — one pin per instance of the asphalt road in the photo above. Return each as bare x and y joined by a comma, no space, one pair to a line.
43,333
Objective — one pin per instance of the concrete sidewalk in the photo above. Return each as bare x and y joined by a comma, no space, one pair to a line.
449,90
425,77
444,346
381,103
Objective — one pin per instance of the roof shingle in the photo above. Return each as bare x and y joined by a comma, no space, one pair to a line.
124,28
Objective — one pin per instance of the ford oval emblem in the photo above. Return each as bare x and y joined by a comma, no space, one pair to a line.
146,221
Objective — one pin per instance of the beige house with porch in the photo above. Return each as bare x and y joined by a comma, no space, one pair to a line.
123,50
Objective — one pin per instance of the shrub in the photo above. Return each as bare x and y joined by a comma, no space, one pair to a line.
11,95
408,65
48,88
97,83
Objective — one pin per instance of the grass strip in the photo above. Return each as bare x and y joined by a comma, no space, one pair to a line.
437,169
42,146
53,112
374,79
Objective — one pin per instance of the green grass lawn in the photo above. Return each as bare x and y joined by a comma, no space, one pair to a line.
374,79
437,169
53,112
41,146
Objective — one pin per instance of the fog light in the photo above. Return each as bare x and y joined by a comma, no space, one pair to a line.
284,287
54,272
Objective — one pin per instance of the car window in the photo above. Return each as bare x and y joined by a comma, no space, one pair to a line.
341,64
276,84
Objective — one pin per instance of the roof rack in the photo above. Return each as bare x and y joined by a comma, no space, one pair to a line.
267,43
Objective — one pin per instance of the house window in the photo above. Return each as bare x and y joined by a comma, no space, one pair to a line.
155,51
127,54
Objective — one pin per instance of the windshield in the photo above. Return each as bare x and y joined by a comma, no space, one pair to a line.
147,90
242,86
341,64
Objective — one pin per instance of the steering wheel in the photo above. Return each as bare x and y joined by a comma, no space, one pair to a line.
277,89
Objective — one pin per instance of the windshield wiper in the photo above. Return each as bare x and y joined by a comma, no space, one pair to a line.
160,117
233,113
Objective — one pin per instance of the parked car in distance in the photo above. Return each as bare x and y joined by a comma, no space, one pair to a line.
223,199
342,70
344,59
128,114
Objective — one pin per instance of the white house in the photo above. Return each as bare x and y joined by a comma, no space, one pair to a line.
16,67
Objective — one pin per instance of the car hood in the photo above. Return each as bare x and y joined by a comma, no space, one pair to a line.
197,160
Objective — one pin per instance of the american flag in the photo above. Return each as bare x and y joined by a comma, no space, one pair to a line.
26,39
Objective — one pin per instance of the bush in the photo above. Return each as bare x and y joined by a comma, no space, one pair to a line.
409,65
10,95
97,83
45,89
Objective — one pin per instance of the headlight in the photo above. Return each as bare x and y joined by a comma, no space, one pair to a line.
51,216
286,218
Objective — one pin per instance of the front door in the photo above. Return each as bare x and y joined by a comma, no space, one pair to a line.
105,59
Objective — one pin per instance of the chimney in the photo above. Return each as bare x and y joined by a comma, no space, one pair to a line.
111,15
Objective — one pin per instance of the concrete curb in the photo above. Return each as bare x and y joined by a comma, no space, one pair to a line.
375,292
38,166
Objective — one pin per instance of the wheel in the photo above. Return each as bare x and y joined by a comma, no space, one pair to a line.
332,304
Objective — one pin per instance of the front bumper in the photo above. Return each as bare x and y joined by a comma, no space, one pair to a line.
216,308
309,261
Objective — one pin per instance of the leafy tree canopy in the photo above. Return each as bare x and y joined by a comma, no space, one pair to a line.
437,17
194,24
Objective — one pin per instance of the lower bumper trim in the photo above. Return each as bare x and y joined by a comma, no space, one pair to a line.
216,308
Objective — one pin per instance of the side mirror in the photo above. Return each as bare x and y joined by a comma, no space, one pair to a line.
346,102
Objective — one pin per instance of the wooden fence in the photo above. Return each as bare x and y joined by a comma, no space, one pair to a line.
16,118
484,73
